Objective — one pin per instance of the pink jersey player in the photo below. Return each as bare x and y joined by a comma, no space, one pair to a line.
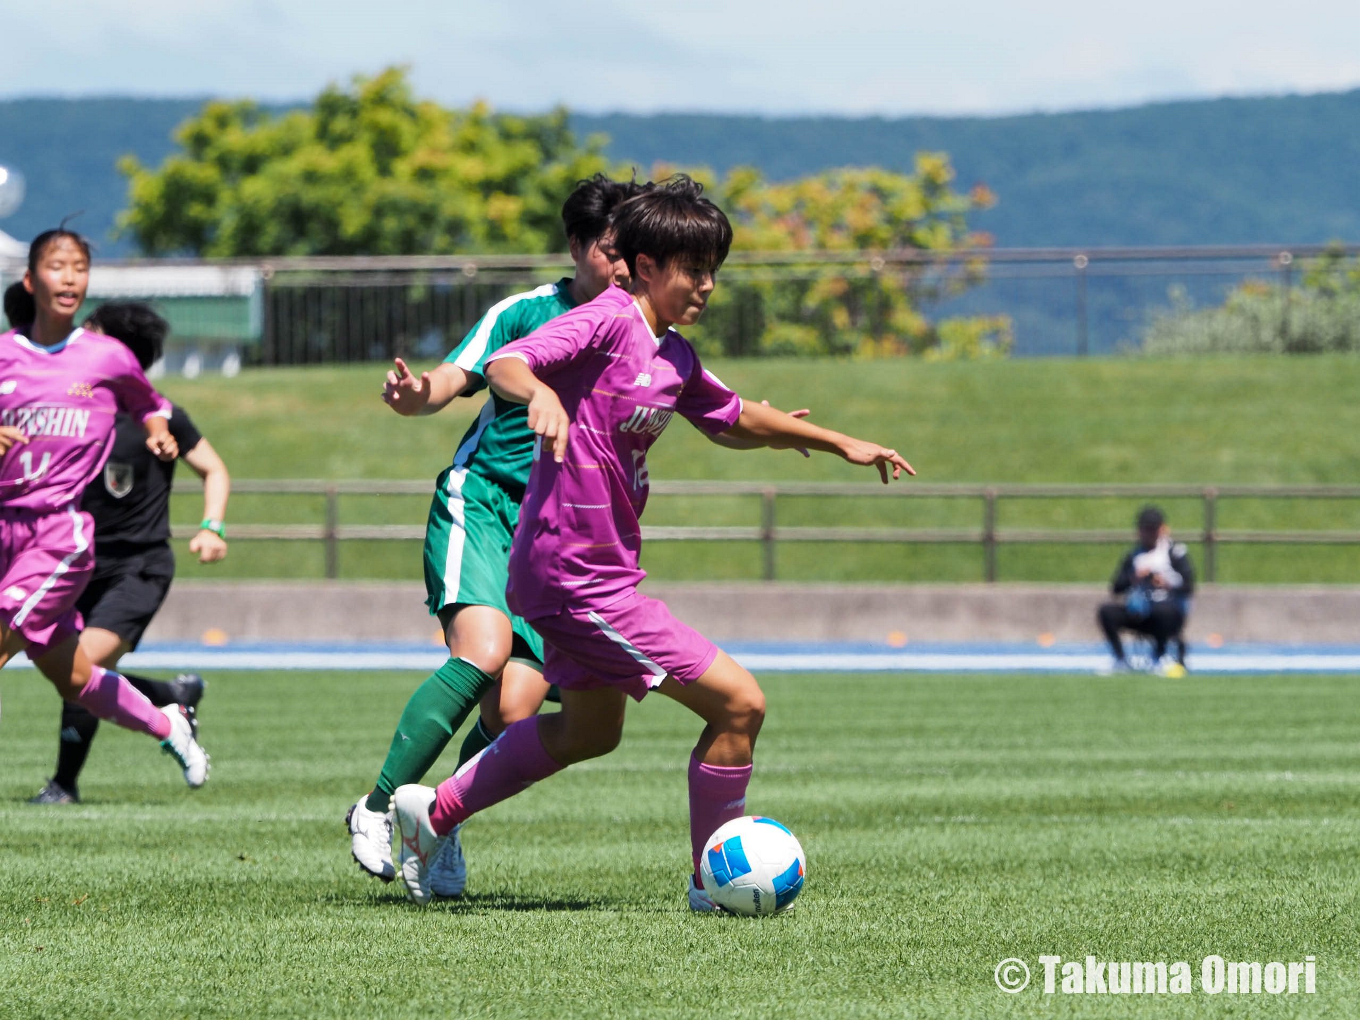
620,386
601,383
60,388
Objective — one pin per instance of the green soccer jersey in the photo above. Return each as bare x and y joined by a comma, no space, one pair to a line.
499,446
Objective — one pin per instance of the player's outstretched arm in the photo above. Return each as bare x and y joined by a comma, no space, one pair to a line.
513,380
210,545
768,427
433,391
731,442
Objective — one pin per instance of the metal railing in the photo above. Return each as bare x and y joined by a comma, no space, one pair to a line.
769,533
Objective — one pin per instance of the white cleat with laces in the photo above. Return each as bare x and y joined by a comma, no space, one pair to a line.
182,746
448,869
370,840
419,841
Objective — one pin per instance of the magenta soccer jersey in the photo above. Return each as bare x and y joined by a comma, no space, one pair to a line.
578,540
64,398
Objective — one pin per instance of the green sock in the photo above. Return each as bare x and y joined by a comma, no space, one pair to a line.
432,716
477,741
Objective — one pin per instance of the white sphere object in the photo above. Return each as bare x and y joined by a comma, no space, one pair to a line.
11,190
753,866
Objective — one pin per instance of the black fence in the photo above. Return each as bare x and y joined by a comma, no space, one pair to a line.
1049,301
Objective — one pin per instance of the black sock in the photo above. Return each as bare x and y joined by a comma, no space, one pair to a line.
78,727
158,692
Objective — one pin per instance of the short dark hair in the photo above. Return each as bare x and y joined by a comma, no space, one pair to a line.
50,237
136,324
20,308
1150,518
669,220
585,213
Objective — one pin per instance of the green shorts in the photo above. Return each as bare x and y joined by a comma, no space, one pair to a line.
467,552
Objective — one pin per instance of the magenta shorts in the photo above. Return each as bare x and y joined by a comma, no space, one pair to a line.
45,561
632,644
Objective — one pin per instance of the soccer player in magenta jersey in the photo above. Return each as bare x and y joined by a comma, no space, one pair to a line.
134,564
60,388
467,543
601,382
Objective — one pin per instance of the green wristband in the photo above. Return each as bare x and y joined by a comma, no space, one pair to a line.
209,524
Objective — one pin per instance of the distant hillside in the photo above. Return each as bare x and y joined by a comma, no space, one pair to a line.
1231,170
1204,172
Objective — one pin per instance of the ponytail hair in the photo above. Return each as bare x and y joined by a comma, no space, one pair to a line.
20,309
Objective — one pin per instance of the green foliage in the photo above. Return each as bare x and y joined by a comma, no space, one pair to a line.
1320,315
949,821
367,170
869,307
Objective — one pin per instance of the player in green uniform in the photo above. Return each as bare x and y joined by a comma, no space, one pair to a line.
494,656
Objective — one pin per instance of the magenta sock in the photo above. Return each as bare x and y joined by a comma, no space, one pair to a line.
110,697
513,762
717,794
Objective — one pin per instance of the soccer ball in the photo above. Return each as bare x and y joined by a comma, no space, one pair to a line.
753,866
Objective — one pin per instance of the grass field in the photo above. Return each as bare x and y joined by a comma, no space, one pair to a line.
1265,420
963,819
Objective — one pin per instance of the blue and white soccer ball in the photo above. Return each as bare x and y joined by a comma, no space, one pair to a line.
753,866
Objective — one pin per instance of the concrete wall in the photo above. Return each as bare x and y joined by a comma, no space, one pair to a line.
346,612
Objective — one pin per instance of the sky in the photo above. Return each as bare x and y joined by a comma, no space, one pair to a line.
853,57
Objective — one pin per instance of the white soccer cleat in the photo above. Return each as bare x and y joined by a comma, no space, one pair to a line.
448,869
370,839
700,902
419,841
182,746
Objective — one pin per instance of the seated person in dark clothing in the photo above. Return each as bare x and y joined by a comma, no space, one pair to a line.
1156,580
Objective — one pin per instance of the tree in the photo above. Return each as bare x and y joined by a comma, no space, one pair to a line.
367,170
873,305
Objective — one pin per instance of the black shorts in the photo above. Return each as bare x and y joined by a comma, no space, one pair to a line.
127,588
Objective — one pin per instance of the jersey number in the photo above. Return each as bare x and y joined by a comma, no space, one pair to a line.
26,459
641,478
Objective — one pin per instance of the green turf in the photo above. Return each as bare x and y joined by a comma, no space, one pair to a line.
949,822
1257,420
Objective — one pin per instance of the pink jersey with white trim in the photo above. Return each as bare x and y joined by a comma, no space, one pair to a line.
578,540
64,398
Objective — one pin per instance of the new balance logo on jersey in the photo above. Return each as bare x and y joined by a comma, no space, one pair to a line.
8,386
647,421
47,421
643,379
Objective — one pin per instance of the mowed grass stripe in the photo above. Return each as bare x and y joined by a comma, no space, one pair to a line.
950,821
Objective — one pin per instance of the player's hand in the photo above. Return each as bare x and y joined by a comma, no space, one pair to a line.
11,435
857,451
163,445
548,418
209,546
403,392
